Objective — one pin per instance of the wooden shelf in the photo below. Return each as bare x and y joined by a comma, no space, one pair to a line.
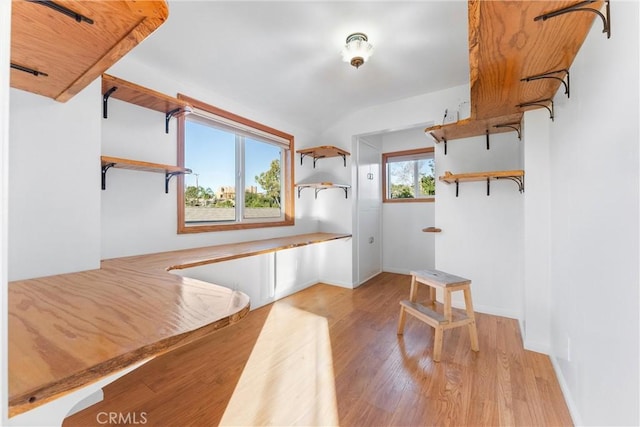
507,45
516,62
113,87
119,163
323,152
469,127
513,175
319,186
432,230
68,55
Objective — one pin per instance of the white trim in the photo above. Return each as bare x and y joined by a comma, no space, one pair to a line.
566,392
233,126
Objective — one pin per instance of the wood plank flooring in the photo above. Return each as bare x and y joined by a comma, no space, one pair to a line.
327,356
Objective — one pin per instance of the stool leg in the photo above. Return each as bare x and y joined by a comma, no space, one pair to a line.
413,294
401,321
473,333
437,343
447,304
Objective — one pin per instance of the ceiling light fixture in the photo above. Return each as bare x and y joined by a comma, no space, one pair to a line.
357,50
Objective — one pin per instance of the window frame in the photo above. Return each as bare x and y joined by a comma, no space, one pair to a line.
241,224
385,169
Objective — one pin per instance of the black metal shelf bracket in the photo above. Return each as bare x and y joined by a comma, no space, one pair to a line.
105,168
578,7
105,100
315,158
487,133
64,10
445,145
549,75
517,179
540,103
319,189
515,126
167,178
28,70
168,117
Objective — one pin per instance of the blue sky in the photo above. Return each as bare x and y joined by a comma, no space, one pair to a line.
210,153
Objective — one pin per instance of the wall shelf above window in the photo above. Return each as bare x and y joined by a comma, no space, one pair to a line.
113,87
119,163
516,176
323,152
319,186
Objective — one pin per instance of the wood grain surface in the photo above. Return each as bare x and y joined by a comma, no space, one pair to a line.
74,54
69,330
379,379
507,45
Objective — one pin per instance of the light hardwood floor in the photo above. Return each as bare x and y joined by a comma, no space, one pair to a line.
329,355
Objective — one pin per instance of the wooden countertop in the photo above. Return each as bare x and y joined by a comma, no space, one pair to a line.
70,330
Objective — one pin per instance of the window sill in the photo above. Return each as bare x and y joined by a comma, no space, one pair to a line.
408,200
234,226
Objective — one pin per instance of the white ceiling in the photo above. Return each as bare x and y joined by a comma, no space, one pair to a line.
284,57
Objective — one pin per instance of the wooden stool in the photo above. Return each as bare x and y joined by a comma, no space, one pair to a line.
439,321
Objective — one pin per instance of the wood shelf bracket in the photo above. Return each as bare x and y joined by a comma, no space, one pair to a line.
64,10
578,7
549,75
517,126
544,103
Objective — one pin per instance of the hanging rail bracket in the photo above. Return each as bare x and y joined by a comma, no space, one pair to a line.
606,20
28,70
549,75
64,10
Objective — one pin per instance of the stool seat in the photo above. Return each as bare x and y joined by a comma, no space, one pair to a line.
439,321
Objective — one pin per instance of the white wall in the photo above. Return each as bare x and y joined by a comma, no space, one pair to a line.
54,184
137,216
595,225
402,223
482,236
5,48
537,232
413,112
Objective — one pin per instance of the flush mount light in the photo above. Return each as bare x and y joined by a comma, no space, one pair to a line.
357,50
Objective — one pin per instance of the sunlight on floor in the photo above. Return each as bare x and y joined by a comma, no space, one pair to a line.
288,379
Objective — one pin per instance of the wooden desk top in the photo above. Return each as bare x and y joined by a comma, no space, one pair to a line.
70,330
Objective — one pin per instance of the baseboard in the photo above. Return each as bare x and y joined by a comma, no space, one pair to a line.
536,346
337,283
396,270
573,410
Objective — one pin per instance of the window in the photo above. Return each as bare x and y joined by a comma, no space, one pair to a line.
409,176
227,152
